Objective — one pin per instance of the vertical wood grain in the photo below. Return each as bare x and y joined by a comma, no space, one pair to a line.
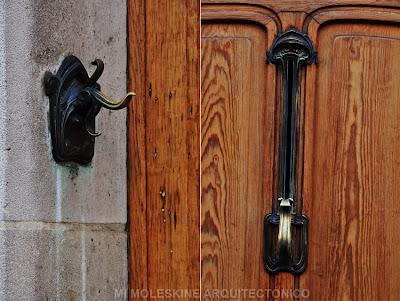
352,151
136,146
164,218
237,120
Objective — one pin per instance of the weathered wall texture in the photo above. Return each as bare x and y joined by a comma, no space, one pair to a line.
62,228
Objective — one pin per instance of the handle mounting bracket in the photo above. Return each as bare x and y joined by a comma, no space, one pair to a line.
75,100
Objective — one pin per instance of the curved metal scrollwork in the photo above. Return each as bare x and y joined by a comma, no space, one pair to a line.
285,231
75,100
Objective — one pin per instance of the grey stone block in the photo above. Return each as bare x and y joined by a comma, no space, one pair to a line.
35,35
40,261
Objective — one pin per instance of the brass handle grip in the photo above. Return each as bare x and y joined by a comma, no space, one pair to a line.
284,234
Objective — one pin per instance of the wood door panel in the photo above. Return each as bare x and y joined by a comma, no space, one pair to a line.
163,147
299,6
351,162
237,154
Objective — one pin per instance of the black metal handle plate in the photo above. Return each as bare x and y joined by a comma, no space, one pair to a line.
75,100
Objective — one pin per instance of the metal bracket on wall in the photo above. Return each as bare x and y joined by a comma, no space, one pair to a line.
75,100
285,231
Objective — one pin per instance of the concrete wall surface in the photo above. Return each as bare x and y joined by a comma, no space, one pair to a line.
62,228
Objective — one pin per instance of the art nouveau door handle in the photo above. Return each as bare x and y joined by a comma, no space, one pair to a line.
75,100
290,51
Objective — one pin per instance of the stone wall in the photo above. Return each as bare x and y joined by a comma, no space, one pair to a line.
62,228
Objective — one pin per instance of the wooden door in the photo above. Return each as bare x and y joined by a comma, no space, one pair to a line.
348,153
163,148
347,156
